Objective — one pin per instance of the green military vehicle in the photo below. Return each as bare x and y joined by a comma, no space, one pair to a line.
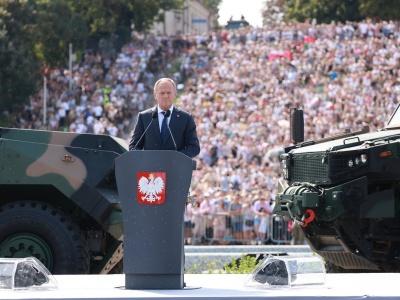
59,200
344,192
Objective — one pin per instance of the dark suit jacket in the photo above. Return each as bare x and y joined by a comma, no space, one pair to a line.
183,129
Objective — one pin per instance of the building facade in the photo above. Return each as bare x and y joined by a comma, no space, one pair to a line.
195,18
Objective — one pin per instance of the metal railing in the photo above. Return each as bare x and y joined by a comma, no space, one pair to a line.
225,229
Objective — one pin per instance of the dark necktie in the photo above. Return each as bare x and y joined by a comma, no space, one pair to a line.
164,129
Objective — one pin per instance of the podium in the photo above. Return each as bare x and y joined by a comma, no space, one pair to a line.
153,186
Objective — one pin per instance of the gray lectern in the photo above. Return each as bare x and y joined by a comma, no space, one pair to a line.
153,187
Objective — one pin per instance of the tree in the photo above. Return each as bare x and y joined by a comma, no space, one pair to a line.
34,35
213,4
324,11
107,17
57,26
17,74
19,69
273,12
380,9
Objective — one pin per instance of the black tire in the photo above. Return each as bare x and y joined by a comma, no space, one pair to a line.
30,228
331,268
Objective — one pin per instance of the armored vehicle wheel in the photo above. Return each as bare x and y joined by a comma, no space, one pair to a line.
36,229
331,268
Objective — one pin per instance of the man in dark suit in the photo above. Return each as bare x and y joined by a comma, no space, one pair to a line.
181,124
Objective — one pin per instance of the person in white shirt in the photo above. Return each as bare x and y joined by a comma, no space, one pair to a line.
262,211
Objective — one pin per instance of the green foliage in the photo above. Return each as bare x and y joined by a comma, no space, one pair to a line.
57,27
325,11
143,13
99,15
17,75
105,17
35,34
19,69
51,34
212,4
380,9
5,121
192,270
245,265
78,30
211,267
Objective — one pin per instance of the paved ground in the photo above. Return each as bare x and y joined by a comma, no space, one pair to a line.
204,286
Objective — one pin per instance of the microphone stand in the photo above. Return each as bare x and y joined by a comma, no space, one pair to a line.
153,116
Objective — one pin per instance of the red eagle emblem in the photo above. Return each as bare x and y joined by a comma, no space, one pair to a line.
151,187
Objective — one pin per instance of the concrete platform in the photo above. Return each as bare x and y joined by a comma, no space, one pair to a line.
216,286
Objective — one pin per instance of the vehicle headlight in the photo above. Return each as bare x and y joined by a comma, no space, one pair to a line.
357,160
363,158
350,163
285,163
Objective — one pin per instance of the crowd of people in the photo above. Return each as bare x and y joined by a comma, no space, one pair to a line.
104,92
244,82
239,85
224,219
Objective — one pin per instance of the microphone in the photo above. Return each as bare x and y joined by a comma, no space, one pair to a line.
167,114
153,116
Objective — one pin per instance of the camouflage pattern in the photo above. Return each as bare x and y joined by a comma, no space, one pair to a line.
344,192
74,173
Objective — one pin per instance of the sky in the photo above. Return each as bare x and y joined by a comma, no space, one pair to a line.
250,9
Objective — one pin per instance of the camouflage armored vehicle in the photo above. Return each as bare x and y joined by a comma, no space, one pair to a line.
344,192
59,199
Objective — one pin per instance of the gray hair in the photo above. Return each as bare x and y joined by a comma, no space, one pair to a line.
163,80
